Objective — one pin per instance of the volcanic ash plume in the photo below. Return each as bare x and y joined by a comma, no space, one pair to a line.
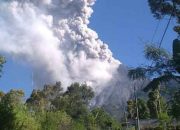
52,36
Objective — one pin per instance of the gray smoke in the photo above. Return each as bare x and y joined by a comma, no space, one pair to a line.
53,37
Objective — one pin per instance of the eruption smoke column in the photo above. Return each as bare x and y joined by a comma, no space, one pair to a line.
52,36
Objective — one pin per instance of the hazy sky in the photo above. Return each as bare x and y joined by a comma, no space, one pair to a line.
124,25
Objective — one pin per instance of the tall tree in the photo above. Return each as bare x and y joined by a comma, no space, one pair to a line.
161,8
142,106
175,110
42,99
77,97
162,69
158,108
14,114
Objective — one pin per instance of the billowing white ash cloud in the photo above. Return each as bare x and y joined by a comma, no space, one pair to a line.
52,36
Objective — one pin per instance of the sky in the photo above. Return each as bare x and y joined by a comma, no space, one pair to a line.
126,26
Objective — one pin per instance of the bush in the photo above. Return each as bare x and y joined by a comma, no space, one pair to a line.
158,128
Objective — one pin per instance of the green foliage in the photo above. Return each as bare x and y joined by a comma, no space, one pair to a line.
175,110
2,61
156,82
161,63
77,97
143,109
131,109
1,94
41,99
142,106
81,92
162,8
13,114
176,54
51,109
153,103
78,126
162,70
164,67
37,101
164,117
104,120
157,106
158,128
55,121
24,120
155,54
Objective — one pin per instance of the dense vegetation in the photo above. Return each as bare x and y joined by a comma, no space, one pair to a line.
53,109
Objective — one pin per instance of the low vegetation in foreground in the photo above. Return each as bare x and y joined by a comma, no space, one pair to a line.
53,109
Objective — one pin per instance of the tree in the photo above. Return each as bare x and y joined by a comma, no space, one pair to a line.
176,55
2,61
142,107
51,109
131,109
164,67
55,120
175,110
1,95
14,114
157,106
41,99
104,120
81,92
154,103
162,70
161,8
75,100
51,101
7,104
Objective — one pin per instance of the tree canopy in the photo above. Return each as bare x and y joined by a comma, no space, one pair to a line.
2,61
51,108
